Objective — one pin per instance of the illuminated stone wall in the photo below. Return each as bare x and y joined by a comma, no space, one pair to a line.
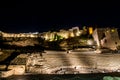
49,35
106,37
76,31
19,35
112,39
97,35
64,34
73,32
46,35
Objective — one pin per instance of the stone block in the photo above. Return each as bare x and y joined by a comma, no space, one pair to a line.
18,69
2,67
7,73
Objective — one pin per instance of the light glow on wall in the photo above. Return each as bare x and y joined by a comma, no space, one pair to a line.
90,30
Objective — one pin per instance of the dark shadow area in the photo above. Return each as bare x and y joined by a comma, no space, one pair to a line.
23,49
54,45
97,76
9,59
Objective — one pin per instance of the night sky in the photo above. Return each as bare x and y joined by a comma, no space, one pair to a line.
32,16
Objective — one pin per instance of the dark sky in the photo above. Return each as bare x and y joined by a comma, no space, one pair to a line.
31,16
